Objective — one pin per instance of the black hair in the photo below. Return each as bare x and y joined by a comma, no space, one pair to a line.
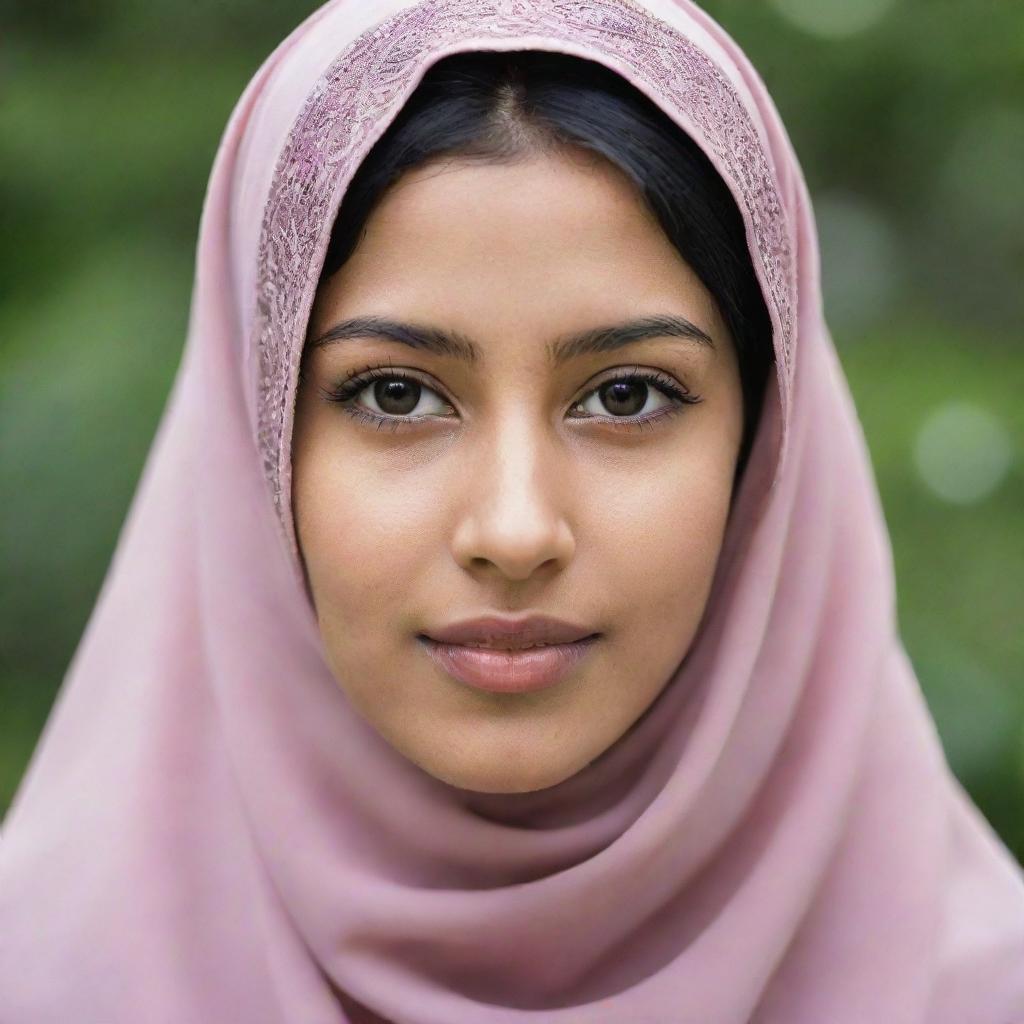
506,106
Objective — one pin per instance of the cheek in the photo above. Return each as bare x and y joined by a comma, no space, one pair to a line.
369,531
662,536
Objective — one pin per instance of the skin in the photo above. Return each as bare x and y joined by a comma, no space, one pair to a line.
495,497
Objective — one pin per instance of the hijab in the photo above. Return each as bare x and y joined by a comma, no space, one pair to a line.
207,830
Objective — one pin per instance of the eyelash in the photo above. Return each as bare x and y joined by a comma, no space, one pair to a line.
346,391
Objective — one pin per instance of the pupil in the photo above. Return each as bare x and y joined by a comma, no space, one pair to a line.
403,394
616,396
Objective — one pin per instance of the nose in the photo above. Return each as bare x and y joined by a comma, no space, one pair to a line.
512,509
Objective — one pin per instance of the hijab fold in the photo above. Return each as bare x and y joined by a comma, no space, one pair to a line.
209,832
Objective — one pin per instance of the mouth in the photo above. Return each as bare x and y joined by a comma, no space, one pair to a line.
507,667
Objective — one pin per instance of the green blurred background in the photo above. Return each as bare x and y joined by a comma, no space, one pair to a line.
908,116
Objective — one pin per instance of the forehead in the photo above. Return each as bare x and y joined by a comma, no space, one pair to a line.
542,193
559,239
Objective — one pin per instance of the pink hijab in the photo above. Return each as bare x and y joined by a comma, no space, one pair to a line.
208,832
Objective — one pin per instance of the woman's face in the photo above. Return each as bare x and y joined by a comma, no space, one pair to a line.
442,489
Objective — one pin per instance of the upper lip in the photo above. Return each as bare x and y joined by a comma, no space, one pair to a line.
510,634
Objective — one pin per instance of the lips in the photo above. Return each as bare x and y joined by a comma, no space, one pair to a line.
511,634
503,655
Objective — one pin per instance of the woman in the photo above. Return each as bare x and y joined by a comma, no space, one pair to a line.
483,339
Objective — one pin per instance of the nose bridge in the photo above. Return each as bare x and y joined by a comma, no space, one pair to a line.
513,514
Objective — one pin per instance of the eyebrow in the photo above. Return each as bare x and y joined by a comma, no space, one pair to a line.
458,346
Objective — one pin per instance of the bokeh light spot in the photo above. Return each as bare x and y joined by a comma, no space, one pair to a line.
963,453
833,19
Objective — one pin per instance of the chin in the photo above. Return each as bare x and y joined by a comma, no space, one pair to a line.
497,778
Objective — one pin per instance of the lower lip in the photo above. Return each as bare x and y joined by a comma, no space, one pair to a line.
508,671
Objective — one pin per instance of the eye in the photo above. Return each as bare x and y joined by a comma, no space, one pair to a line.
636,398
397,395
386,397
625,396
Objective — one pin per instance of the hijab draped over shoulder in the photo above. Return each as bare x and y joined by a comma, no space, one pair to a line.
209,832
